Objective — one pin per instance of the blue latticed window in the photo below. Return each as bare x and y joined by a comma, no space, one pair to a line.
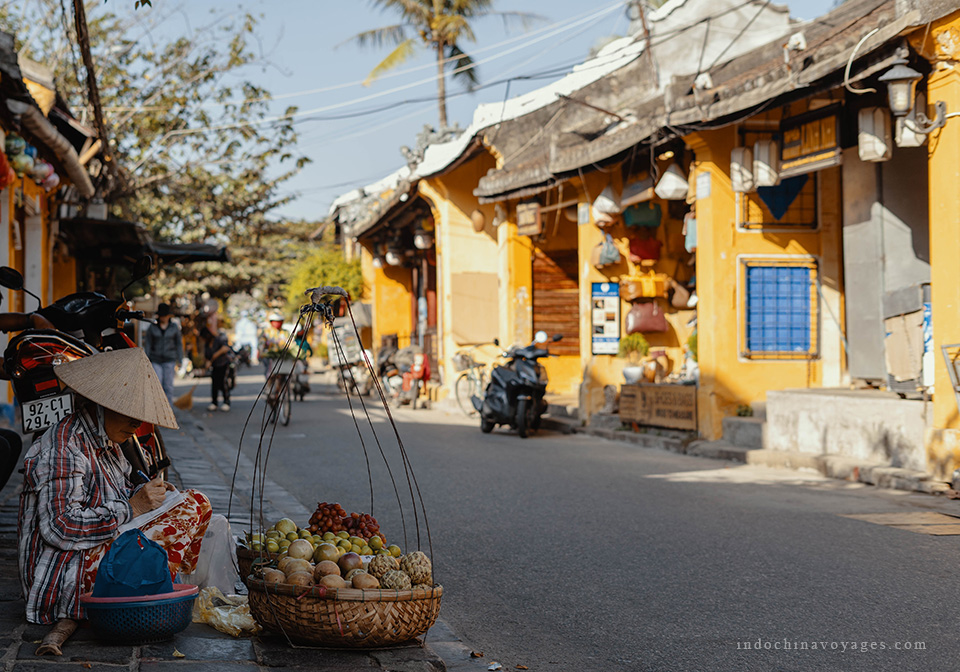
779,309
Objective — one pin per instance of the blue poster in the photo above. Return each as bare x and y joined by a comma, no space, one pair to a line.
605,317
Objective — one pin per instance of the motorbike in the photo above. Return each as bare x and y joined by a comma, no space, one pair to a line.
301,380
86,323
514,396
355,375
402,374
242,355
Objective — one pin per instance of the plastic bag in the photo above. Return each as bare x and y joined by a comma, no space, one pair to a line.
216,565
606,207
230,614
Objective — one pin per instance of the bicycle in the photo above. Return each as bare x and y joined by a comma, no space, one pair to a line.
470,382
278,394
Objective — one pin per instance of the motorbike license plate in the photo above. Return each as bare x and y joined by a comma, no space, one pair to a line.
43,413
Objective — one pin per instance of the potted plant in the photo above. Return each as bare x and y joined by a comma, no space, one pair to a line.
633,347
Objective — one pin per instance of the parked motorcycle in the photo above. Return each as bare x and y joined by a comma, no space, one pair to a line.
86,322
403,373
514,396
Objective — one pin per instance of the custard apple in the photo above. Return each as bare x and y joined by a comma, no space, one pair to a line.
381,564
417,566
396,580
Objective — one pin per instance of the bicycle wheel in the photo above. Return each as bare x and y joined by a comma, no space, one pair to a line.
465,388
284,408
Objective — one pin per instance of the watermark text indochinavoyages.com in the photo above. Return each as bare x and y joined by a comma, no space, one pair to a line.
844,646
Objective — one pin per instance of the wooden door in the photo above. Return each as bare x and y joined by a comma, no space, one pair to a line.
556,299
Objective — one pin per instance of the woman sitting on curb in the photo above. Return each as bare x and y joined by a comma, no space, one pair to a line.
77,490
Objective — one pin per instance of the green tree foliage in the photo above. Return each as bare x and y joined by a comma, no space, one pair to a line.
198,158
324,265
441,26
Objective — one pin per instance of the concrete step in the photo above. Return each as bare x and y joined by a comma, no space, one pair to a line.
743,432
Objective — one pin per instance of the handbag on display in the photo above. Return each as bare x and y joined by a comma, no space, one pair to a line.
645,286
644,249
645,214
605,253
646,317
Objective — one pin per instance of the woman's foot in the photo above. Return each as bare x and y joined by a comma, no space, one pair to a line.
225,407
52,644
212,407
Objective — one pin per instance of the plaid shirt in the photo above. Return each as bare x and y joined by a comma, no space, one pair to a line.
75,491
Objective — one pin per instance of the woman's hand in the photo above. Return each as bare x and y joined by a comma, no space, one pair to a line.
149,497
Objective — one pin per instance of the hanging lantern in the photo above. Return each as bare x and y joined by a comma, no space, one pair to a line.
30,151
422,240
427,224
14,145
378,261
673,184
479,220
21,163
51,183
393,258
41,170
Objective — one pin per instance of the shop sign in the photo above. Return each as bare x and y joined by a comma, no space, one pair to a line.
528,219
810,142
605,317
670,406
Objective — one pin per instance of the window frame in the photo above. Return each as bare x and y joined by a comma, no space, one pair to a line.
779,227
744,263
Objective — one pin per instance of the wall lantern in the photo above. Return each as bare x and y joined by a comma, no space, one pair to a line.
378,262
901,81
673,185
393,258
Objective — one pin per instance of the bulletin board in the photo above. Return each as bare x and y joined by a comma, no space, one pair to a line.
605,318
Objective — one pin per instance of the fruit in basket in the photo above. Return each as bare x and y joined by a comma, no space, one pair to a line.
422,586
396,580
417,566
325,568
382,564
394,550
326,551
350,561
273,534
364,581
305,534
376,543
300,579
296,565
332,581
329,536
272,546
285,526
271,575
293,536
301,548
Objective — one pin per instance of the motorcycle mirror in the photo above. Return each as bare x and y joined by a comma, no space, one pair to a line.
11,278
540,337
141,269
557,337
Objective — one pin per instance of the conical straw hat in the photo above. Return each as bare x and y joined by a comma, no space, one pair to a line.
123,381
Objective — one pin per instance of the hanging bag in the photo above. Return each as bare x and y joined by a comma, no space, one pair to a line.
643,215
134,565
605,253
645,318
645,286
645,250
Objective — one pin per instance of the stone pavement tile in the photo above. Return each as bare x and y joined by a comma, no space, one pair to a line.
195,648
410,659
205,666
9,590
276,653
93,652
203,631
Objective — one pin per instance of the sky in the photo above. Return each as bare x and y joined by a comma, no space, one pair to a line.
305,62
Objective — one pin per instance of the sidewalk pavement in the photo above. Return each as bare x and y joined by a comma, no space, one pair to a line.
564,419
203,460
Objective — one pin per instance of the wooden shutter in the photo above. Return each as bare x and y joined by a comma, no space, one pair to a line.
556,299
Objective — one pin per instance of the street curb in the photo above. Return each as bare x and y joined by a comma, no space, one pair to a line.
833,466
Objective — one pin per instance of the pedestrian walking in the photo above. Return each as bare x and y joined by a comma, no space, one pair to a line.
218,354
163,344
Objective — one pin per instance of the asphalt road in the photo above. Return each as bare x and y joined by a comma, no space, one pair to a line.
575,553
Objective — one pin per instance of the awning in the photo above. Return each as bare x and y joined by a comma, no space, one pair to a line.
188,253
105,240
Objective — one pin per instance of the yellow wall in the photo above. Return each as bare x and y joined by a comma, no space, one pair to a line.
943,439
726,379
392,306
460,249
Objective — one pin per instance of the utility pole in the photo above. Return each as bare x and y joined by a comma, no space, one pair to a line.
83,39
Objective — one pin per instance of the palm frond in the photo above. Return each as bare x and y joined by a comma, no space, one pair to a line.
452,28
418,11
394,34
470,8
464,69
399,55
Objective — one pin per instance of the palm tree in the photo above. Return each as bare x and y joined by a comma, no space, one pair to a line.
439,25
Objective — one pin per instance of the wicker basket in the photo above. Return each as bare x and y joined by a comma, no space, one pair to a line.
246,559
462,361
343,617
